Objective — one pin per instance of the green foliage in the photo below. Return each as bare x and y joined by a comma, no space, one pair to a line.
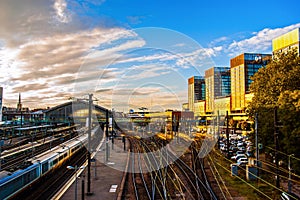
278,86
280,76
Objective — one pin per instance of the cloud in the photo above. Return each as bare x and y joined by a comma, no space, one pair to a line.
260,41
47,48
58,58
30,87
103,90
135,19
179,45
62,14
62,54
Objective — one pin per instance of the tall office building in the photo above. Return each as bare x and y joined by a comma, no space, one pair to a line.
1,96
196,91
287,42
242,69
217,82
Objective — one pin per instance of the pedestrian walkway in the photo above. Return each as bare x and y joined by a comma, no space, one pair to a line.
106,174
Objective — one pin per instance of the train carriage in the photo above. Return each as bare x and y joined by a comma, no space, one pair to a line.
12,183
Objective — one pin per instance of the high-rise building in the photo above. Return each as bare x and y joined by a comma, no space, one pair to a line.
1,96
287,42
217,82
196,91
242,69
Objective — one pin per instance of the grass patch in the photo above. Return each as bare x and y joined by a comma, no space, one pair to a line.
250,190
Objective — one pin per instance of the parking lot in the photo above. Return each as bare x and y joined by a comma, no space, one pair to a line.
239,150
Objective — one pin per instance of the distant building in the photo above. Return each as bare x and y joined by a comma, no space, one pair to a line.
185,107
196,91
18,114
217,84
287,42
242,68
199,109
169,120
76,111
13,114
222,104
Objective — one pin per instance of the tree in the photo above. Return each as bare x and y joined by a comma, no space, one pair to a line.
279,76
278,86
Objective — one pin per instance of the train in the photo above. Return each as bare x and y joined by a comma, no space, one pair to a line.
12,183
25,149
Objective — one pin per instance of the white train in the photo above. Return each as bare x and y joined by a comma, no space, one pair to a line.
11,183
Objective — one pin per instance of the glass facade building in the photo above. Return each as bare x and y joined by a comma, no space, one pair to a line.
229,90
242,68
217,82
196,90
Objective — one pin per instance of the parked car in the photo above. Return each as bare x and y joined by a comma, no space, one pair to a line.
250,148
250,154
223,147
242,161
238,156
240,144
233,148
242,148
239,152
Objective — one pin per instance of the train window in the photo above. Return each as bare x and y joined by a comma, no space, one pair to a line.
66,154
29,176
54,162
61,157
45,167
10,187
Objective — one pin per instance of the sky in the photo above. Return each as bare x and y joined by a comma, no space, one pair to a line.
130,53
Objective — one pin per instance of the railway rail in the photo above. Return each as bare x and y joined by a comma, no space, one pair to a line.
152,177
47,186
17,157
43,166
58,178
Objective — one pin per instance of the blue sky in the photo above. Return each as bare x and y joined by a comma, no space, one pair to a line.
53,49
203,20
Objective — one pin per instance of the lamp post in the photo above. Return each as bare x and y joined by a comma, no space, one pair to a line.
256,142
75,168
90,102
276,142
290,174
89,143
31,143
227,134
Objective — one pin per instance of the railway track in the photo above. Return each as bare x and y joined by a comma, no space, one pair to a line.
178,180
17,162
48,185
199,168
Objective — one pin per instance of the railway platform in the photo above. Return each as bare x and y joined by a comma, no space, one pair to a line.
106,174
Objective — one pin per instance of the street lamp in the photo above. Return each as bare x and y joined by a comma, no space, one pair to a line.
75,168
290,174
90,102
